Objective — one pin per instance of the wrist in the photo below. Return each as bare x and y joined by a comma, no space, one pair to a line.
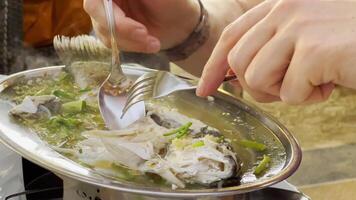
179,31
220,15
196,39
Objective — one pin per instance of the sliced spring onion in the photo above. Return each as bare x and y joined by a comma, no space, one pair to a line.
122,173
220,139
181,131
59,121
40,92
85,90
61,94
200,143
74,106
253,145
263,165
171,133
65,77
184,130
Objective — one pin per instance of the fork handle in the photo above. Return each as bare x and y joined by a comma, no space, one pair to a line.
230,78
226,79
116,76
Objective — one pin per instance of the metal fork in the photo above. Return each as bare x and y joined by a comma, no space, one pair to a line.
80,48
158,84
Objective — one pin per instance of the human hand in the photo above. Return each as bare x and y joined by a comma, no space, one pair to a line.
146,25
289,50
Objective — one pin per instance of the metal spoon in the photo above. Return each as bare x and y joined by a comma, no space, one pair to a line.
112,94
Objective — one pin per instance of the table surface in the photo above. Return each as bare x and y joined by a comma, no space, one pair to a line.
327,135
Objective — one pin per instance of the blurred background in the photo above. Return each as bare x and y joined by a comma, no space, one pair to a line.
27,28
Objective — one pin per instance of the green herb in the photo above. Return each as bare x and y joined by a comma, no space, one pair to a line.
59,121
200,143
63,129
41,92
65,77
85,90
263,165
253,145
181,131
123,173
85,164
220,139
173,132
63,95
74,106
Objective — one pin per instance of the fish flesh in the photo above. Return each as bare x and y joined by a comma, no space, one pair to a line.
89,74
199,157
36,107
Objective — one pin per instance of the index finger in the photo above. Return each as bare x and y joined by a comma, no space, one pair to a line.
217,65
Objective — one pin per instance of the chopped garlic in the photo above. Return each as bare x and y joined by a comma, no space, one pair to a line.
210,98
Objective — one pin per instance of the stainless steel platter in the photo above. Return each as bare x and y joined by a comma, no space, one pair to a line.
286,155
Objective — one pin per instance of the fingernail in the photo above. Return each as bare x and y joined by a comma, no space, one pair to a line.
153,45
139,34
200,89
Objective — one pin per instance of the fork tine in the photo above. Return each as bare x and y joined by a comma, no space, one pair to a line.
136,87
144,86
139,86
141,80
141,90
134,95
138,98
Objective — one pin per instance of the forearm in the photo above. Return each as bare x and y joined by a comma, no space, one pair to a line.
220,15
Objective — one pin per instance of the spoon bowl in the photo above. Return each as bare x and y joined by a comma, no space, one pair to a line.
111,110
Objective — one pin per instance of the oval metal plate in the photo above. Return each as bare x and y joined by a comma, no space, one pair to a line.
28,145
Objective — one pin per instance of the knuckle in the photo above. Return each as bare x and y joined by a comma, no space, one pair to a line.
312,49
288,5
253,82
227,33
262,98
292,98
308,46
233,63
301,24
340,76
290,101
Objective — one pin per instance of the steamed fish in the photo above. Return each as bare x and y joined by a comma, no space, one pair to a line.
181,152
166,144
